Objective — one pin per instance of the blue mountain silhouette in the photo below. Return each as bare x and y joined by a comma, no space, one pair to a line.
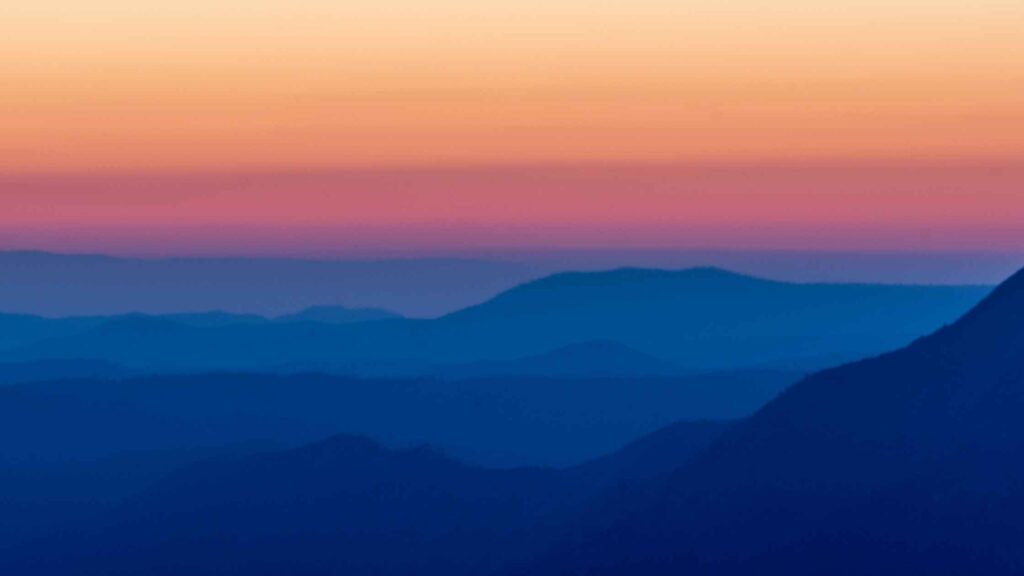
699,319
591,359
497,421
94,285
338,315
342,505
907,463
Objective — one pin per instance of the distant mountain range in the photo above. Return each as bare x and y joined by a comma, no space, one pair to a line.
697,320
91,285
48,284
21,329
338,315
911,462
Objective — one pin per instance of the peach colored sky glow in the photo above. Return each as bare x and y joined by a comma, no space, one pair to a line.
306,125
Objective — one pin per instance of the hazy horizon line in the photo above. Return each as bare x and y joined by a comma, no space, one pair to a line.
514,252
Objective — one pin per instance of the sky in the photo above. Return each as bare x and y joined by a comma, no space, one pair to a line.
402,126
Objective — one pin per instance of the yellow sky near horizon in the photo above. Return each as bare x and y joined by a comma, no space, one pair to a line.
108,85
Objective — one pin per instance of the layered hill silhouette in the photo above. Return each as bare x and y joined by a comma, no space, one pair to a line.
345,505
494,421
94,285
50,284
21,330
593,359
41,496
908,463
51,370
698,319
338,315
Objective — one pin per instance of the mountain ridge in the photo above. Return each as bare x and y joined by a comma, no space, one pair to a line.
341,505
883,462
703,319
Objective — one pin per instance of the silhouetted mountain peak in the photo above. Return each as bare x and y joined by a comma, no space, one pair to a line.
610,290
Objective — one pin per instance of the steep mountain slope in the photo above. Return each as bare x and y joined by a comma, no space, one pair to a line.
700,319
909,463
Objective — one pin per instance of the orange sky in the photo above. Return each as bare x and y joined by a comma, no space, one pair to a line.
322,124
193,84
